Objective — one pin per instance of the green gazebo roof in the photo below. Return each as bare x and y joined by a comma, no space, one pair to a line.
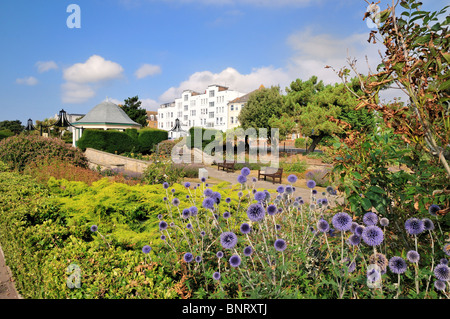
107,113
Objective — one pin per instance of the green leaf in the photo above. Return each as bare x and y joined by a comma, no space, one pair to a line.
366,203
405,5
356,175
376,189
444,86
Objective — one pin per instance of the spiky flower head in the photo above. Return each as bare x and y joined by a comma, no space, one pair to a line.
292,178
397,265
219,254
216,275
94,228
323,226
187,184
372,235
245,171
235,261
256,212
413,256
163,225
280,189
146,249
439,285
228,240
175,201
433,209
242,179
311,184
370,218
193,210
248,251
428,224
354,240
188,257
208,192
442,272
186,213
359,230
414,226
208,203
384,222
260,196
342,221
280,244
245,228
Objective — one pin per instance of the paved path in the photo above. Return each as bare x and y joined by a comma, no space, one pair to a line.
7,288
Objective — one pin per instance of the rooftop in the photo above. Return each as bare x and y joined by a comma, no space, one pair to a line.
106,113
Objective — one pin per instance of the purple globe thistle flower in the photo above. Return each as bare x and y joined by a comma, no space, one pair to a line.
443,261
359,230
228,200
330,190
353,227
188,257
248,251
319,201
171,224
301,202
292,178
163,237
414,226
324,201
397,265
370,218
173,190
428,224
198,259
94,228
216,276
372,235
314,192
245,171
279,210
260,196
254,180
342,221
165,199
240,194
195,187
206,184
271,210
219,254
413,256
242,179
208,192
277,227
354,240
189,226
254,191
288,190
280,244
245,228
280,189
433,209
331,232
216,216
146,249
193,210
186,213
203,179
162,225
202,233
160,216
226,215
256,212
228,240
311,184
323,226
235,261
384,222
351,266
176,201
208,203
217,197
442,272
187,184
187,196
166,185
439,285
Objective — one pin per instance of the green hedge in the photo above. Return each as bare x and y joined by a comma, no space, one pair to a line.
5,134
204,132
132,140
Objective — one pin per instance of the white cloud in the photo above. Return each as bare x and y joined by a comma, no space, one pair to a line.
231,78
149,104
31,81
76,93
95,69
44,66
80,78
147,70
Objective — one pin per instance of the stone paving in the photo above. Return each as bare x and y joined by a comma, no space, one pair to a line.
7,288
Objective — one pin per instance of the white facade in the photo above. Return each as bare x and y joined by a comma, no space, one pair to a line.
209,109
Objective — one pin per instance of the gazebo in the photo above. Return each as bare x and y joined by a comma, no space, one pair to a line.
106,116
176,131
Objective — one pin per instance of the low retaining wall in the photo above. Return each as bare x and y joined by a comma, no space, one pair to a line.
115,162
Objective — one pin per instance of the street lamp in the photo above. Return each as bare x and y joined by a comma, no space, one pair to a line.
62,121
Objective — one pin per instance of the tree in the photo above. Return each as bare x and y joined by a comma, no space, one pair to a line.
324,110
260,107
14,126
416,61
133,109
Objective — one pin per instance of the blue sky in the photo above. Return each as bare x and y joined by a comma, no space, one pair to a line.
157,48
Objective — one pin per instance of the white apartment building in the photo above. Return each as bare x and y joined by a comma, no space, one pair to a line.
209,109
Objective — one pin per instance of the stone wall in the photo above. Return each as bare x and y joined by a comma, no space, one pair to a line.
115,162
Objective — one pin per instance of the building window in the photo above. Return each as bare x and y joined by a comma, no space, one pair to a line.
171,114
211,115
186,97
232,120
232,108
237,108
185,117
211,104
162,115
185,107
211,93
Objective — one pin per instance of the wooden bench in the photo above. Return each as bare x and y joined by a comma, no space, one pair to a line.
226,166
270,172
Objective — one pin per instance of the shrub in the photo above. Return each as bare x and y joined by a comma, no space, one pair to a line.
150,137
20,150
165,147
108,141
301,142
5,134
297,166
320,176
204,132
162,169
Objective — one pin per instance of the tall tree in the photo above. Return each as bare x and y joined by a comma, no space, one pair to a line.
133,109
260,107
14,126
323,110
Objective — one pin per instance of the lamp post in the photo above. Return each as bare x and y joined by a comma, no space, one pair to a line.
61,122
